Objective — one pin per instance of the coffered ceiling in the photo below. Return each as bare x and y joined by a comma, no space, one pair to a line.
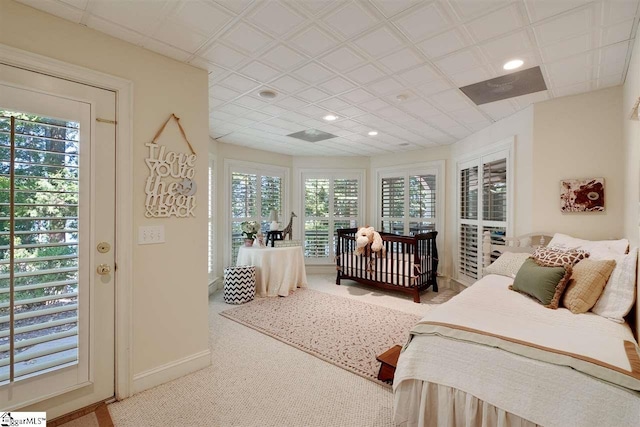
393,66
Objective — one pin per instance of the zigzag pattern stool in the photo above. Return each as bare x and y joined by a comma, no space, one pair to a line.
239,284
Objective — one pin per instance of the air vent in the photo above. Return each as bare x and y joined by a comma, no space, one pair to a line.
505,87
312,135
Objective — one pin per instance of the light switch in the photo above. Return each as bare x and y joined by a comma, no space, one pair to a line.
150,235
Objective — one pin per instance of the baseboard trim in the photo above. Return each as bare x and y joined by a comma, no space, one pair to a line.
320,268
171,371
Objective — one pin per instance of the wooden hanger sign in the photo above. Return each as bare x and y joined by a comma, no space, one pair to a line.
170,188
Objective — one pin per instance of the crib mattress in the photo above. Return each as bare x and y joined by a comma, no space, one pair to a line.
395,269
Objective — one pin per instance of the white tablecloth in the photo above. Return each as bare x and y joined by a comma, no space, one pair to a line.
278,270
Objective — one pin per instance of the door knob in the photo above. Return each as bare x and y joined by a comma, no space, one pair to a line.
103,269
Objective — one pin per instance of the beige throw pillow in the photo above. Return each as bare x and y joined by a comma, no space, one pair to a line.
508,264
587,282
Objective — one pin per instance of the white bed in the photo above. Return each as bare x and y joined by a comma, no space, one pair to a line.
589,378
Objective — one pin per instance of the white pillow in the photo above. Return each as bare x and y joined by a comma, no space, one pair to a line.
507,264
619,293
598,249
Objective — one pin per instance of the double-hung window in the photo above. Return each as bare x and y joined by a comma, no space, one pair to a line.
255,190
484,199
331,200
408,199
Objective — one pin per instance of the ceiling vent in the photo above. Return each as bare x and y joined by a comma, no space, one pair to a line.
312,135
508,86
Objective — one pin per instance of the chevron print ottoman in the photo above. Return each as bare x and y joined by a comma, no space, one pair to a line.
239,284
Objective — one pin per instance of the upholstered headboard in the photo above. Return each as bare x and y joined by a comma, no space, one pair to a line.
528,243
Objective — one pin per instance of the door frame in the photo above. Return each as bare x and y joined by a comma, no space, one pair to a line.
124,192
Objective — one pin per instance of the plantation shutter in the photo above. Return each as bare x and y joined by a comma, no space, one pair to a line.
481,211
392,204
332,201
212,210
422,203
408,202
39,197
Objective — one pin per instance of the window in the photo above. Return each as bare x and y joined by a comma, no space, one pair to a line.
483,205
254,191
409,199
332,200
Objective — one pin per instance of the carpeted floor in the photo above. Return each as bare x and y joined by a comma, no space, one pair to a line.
343,331
256,380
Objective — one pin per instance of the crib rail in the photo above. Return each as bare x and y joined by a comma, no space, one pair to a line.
409,263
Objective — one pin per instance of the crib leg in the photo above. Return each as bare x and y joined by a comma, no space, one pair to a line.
338,279
434,286
416,295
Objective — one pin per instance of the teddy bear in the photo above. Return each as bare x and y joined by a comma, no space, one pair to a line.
368,240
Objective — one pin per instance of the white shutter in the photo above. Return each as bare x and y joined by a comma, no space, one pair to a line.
392,204
39,199
212,218
422,203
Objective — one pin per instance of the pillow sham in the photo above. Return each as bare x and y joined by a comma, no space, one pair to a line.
507,264
598,249
554,257
587,282
545,284
619,293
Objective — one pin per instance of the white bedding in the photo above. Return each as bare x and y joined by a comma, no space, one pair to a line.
541,392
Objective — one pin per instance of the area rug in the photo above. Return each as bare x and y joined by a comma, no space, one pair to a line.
342,331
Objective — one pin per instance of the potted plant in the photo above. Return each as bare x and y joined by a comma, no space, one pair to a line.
249,231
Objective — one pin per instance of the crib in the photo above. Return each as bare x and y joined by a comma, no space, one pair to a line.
410,264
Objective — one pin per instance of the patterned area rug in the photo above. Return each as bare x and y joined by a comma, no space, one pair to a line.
342,331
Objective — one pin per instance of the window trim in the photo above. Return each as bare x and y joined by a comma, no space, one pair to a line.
242,166
213,219
302,174
437,166
504,148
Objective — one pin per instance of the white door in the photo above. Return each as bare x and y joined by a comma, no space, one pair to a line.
57,206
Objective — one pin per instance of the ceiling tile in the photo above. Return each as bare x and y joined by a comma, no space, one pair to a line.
313,41
460,61
291,103
273,110
357,96
56,8
312,73
313,95
525,100
294,117
342,59
351,112
365,74
379,42
374,104
166,50
350,20
507,47
313,6
246,38
282,57
334,104
114,30
496,23
141,16
385,86
179,36
250,102
239,83
401,60
288,84
276,18
542,9
565,26
236,6
223,55
236,110
609,80
257,116
469,116
617,32
435,86
450,100
420,74
419,108
474,75
336,85
572,70
499,109
202,16
616,11
579,44
420,23
259,71
574,89
467,10
390,8
444,43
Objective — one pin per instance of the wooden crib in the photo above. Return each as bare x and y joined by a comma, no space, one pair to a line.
410,264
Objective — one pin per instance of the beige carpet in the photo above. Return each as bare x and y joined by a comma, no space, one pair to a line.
259,381
342,331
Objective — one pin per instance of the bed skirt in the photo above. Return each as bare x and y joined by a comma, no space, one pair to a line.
426,404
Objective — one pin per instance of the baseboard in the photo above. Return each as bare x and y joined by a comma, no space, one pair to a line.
215,285
171,371
320,269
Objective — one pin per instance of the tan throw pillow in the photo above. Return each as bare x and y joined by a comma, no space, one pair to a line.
553,257
508,264
587,282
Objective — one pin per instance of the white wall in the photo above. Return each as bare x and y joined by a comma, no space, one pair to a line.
170,280
579,137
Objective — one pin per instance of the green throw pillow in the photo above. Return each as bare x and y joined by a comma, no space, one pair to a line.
545,284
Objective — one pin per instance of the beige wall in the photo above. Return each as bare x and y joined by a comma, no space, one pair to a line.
169,280
579,137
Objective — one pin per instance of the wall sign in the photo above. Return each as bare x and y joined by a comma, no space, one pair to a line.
170,187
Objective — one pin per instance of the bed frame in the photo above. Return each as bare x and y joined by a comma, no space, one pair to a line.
421,247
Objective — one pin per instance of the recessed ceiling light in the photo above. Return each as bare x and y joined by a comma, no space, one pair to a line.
373,133
513,64
330,117
269,94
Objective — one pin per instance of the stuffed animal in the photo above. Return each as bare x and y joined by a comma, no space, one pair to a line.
368,240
